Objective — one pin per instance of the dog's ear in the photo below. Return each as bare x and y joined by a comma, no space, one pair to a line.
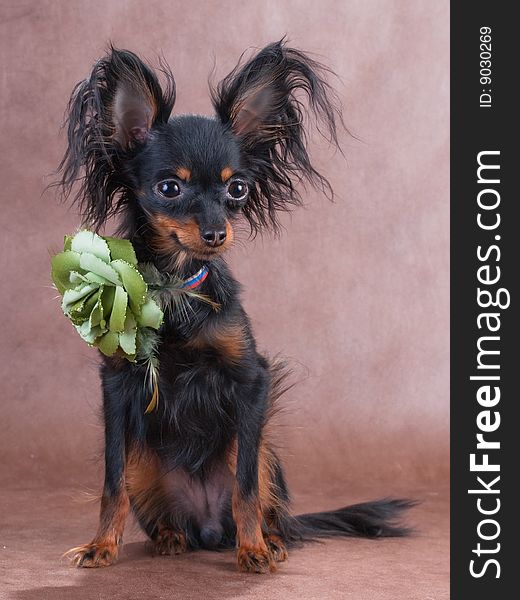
265,102
110,116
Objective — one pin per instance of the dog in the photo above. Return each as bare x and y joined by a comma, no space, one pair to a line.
200,471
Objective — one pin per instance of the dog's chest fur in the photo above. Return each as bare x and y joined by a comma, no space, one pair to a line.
195,420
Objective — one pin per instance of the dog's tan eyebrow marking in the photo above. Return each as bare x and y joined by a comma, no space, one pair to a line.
226,173
183,173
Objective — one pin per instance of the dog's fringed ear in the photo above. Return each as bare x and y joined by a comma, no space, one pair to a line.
110,116
265,102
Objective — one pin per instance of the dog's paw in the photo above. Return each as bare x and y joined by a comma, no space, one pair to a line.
169,542
255,560
100,554
276,548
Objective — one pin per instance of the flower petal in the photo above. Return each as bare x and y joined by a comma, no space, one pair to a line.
91,243
61,266
82,310
121,250
92,277
89,262
118,314
75,278
109,343
71,298
107,299
128,336
151,315
96,314
88,333
133,283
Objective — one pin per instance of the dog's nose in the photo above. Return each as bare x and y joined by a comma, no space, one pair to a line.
214,237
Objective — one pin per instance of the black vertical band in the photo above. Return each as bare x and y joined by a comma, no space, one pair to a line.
485,257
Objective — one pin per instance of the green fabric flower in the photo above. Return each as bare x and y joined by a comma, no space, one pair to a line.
104,295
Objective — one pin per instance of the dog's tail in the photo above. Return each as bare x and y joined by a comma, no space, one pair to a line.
380,518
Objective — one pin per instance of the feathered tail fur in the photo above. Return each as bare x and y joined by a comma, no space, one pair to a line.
379,518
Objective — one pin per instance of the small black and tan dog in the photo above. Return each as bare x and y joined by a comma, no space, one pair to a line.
200,470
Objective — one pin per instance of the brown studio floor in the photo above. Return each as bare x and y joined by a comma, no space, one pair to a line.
38,525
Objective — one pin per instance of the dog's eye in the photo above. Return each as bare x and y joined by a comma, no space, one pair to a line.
169,188
237,189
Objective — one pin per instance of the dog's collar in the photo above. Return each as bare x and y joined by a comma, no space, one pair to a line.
195,280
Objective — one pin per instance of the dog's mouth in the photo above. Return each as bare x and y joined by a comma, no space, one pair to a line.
174,237
200,251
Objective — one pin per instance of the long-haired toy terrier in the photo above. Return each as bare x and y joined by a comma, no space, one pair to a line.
200,471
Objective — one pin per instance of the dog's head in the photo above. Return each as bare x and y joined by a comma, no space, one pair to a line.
183,179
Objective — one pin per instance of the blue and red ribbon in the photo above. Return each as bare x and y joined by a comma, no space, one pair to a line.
195,280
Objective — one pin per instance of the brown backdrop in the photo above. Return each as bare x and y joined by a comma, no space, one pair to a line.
355,292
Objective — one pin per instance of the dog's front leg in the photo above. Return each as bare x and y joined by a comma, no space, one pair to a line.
104,548
252,552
